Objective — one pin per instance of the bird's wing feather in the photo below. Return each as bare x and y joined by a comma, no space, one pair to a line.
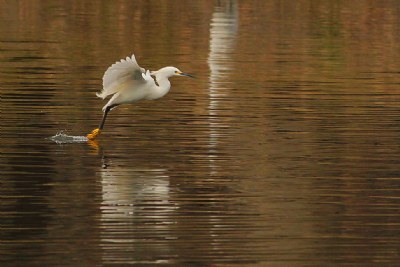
120,74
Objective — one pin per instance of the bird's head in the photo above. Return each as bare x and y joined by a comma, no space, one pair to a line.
169,72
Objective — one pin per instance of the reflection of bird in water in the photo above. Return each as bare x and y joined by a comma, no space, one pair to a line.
128,83
94,144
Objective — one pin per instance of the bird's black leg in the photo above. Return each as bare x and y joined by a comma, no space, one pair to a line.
96,132
105,116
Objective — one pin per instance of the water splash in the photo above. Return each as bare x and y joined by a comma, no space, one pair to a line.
62,138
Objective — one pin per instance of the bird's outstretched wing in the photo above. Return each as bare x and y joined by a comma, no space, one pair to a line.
121,74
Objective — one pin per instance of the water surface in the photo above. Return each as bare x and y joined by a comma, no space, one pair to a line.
283,152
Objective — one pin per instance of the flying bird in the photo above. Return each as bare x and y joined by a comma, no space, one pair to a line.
126,82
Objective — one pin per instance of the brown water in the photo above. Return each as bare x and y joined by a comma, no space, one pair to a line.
283,152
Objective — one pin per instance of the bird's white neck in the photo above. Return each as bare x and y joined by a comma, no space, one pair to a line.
163,82
164,85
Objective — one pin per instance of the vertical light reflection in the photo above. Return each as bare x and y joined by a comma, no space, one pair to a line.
223,31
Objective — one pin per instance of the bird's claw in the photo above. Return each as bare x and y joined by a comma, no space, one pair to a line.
93,134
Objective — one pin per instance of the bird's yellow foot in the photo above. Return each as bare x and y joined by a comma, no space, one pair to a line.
93,134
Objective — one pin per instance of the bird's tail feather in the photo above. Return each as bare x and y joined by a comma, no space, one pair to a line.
101,95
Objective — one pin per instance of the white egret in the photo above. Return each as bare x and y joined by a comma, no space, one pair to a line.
128,83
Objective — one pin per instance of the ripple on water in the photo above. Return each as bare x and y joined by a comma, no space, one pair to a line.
62,138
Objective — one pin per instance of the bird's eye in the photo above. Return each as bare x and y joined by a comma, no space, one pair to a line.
176,72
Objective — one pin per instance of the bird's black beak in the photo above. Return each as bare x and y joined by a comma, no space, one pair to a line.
186,74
